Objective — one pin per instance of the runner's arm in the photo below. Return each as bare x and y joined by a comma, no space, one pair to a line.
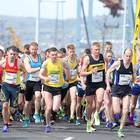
42,72
66,70
28,67
2,63
84,67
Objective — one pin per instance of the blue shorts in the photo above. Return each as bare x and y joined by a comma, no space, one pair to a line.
10,93
135,90
80,91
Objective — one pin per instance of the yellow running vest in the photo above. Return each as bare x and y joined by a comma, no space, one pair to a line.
73,71
55,73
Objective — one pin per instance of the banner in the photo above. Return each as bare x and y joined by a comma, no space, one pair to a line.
136,31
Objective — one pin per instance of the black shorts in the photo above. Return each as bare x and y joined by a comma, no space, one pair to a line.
53,90
121,91
91,89
64,93
31,87
22,91
72,84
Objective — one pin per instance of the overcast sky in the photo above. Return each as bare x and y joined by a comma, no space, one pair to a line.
28,8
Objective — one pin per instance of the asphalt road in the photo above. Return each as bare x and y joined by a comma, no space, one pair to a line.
65,131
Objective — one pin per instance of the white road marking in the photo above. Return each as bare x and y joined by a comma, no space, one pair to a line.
68,138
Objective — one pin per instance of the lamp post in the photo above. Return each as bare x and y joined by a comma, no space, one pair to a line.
37,22
37,30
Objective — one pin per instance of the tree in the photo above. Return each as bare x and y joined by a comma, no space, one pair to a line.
15,40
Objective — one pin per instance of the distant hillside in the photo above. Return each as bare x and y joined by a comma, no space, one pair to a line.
25,29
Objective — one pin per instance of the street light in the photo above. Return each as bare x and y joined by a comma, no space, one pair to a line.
37,22
38,15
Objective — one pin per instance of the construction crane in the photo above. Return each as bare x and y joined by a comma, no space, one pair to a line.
114,6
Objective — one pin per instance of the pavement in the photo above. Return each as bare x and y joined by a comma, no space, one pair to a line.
66,131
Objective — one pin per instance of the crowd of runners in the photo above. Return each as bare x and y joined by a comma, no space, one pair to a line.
57,85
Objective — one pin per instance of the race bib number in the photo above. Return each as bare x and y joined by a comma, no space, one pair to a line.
10,78
124,79
97,77
34,77
73,74
54,78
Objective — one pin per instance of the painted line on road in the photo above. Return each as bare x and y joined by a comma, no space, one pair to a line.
69,138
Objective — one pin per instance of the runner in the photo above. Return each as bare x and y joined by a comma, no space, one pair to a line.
73,65
21,98
10,85
65,103
107,95
52,75
32,64
121,89
135,92
1,68
1,74
80,89
94,68
108,47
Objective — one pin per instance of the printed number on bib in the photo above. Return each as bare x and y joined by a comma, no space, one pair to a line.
34,76
124,79
97,77
11,78
54,78
73,74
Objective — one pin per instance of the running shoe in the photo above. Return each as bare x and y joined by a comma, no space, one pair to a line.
66,118
78,122
48,129
37,118
120,133
25,123
5,129
97,119
131,120
71,120
109,125
89,128
114,124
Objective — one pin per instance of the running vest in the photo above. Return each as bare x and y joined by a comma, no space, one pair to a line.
73,71
122,75
55,73
110,63
98,77
11,73
34,76
108,66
